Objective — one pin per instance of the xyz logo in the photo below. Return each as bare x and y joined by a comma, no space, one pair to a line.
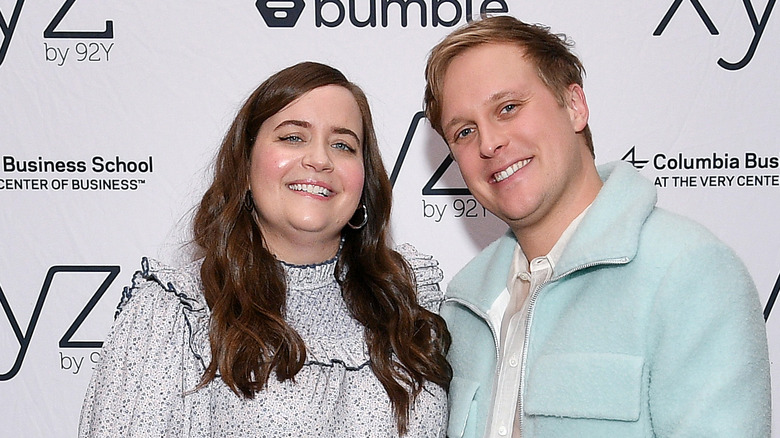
9,27
66,341
758,28
429,188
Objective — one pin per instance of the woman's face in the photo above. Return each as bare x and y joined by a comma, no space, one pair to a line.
307,174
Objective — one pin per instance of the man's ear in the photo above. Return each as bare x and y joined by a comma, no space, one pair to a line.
578,107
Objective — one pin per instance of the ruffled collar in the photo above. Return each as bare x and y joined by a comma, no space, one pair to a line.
329,332
310,277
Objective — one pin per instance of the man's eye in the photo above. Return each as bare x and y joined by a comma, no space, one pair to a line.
464,133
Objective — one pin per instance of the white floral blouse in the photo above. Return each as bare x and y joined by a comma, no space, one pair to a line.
158,349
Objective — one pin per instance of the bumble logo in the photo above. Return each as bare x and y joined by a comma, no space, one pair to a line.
334,13
280,13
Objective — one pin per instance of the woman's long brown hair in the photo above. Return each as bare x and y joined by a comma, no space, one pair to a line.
245,285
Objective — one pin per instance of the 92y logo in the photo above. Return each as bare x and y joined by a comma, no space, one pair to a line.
8,27
758,27
65,342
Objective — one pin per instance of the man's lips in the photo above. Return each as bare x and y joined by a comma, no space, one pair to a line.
509,171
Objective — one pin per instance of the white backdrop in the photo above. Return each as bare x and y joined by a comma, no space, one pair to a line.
132,98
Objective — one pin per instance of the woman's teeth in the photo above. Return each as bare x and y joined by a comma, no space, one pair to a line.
310,188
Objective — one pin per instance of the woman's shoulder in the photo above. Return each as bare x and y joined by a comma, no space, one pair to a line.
427,276
162,304
159,285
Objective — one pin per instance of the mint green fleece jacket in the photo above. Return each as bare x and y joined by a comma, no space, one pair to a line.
649,327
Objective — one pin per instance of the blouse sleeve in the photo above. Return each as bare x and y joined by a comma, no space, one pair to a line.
427,276
149,362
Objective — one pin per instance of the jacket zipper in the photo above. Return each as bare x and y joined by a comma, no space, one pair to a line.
529,320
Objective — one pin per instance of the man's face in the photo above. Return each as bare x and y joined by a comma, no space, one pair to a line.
517,147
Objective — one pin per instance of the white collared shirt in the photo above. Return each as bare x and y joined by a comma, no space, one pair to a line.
509,315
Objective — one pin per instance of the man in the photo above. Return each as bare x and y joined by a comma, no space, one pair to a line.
597,314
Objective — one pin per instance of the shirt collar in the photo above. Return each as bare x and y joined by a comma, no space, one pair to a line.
520,262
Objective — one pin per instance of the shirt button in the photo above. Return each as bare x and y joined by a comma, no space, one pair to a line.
524,276
513,362
502,430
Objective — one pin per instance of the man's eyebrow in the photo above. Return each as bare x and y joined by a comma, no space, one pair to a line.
451,123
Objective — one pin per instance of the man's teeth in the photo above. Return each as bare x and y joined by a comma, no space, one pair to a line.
310,188
506,173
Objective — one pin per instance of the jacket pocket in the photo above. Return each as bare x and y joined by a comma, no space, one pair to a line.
462,406
586,385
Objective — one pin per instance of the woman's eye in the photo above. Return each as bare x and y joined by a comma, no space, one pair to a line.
343,146
508,108
291,138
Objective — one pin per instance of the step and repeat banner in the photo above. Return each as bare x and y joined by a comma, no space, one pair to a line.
111,113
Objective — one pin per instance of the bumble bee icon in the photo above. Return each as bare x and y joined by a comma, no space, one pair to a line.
280,13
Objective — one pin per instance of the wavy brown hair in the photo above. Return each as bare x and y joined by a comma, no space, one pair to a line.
245,285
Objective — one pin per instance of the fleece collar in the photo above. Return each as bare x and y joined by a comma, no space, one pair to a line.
609,233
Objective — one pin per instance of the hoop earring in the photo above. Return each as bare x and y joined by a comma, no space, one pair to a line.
365,219
249,203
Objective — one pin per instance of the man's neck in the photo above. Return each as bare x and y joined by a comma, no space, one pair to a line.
537,237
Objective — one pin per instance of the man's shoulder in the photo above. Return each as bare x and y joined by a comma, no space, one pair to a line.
675,237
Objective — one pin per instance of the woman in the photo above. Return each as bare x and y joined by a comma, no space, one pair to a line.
298,320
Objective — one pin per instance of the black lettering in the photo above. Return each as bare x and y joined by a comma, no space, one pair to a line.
25,338
404,8
501,8
758,29
319,20
370,21
772,298
436,17
98,164
8,28
51,32
428,189
65,341
9,164
673,9
399,161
